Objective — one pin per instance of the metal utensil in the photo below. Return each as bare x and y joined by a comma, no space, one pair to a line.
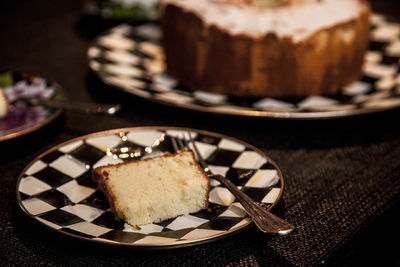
265,220
92,108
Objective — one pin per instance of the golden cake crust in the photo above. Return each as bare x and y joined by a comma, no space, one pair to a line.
100,178
210,58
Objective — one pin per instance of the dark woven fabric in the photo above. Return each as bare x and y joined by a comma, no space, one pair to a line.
341,176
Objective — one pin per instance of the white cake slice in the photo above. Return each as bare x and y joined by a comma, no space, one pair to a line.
154,189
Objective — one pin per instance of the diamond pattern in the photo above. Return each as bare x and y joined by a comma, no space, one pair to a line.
37,166
61,217
201,233
239,176
87,154
104,142
241,224
70,147
52,177
23,196
76,192
74,232
118,42
89,229
227,144
54,198
144,138
108,220
212,212
97,200
263,179
177,234
234,210
206,150
249,160
36,206
50,224
271,196
220,223
83,211
257,194
222,170
107,160
52,156
223,157
58,191
221,196
85,180
183,222
31,186
122,237
145,229
69,166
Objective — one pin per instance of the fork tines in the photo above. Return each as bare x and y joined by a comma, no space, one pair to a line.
177,143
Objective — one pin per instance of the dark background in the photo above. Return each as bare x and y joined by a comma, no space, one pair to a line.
341,175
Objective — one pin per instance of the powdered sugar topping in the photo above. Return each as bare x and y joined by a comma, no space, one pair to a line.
297,20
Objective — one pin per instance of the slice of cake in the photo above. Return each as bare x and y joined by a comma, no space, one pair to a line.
154,189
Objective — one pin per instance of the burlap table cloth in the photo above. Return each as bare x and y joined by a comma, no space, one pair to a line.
341,176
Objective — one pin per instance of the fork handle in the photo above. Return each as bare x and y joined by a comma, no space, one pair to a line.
265,220
92,108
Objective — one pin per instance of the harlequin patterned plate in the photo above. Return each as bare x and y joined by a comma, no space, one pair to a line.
132,59
25,115
56,189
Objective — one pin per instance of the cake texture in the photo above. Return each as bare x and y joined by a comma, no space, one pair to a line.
154,189
295,49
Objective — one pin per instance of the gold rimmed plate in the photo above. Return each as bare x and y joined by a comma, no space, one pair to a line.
26,114
56,189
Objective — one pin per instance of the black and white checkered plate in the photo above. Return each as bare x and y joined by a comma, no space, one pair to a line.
56,188
131,59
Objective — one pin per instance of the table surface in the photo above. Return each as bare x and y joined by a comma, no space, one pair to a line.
341,175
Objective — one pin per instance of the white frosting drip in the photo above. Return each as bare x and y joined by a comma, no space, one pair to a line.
298,20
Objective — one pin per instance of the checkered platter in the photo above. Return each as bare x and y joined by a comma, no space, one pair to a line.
131,59
56,189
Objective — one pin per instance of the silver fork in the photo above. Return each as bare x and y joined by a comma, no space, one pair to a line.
265,220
